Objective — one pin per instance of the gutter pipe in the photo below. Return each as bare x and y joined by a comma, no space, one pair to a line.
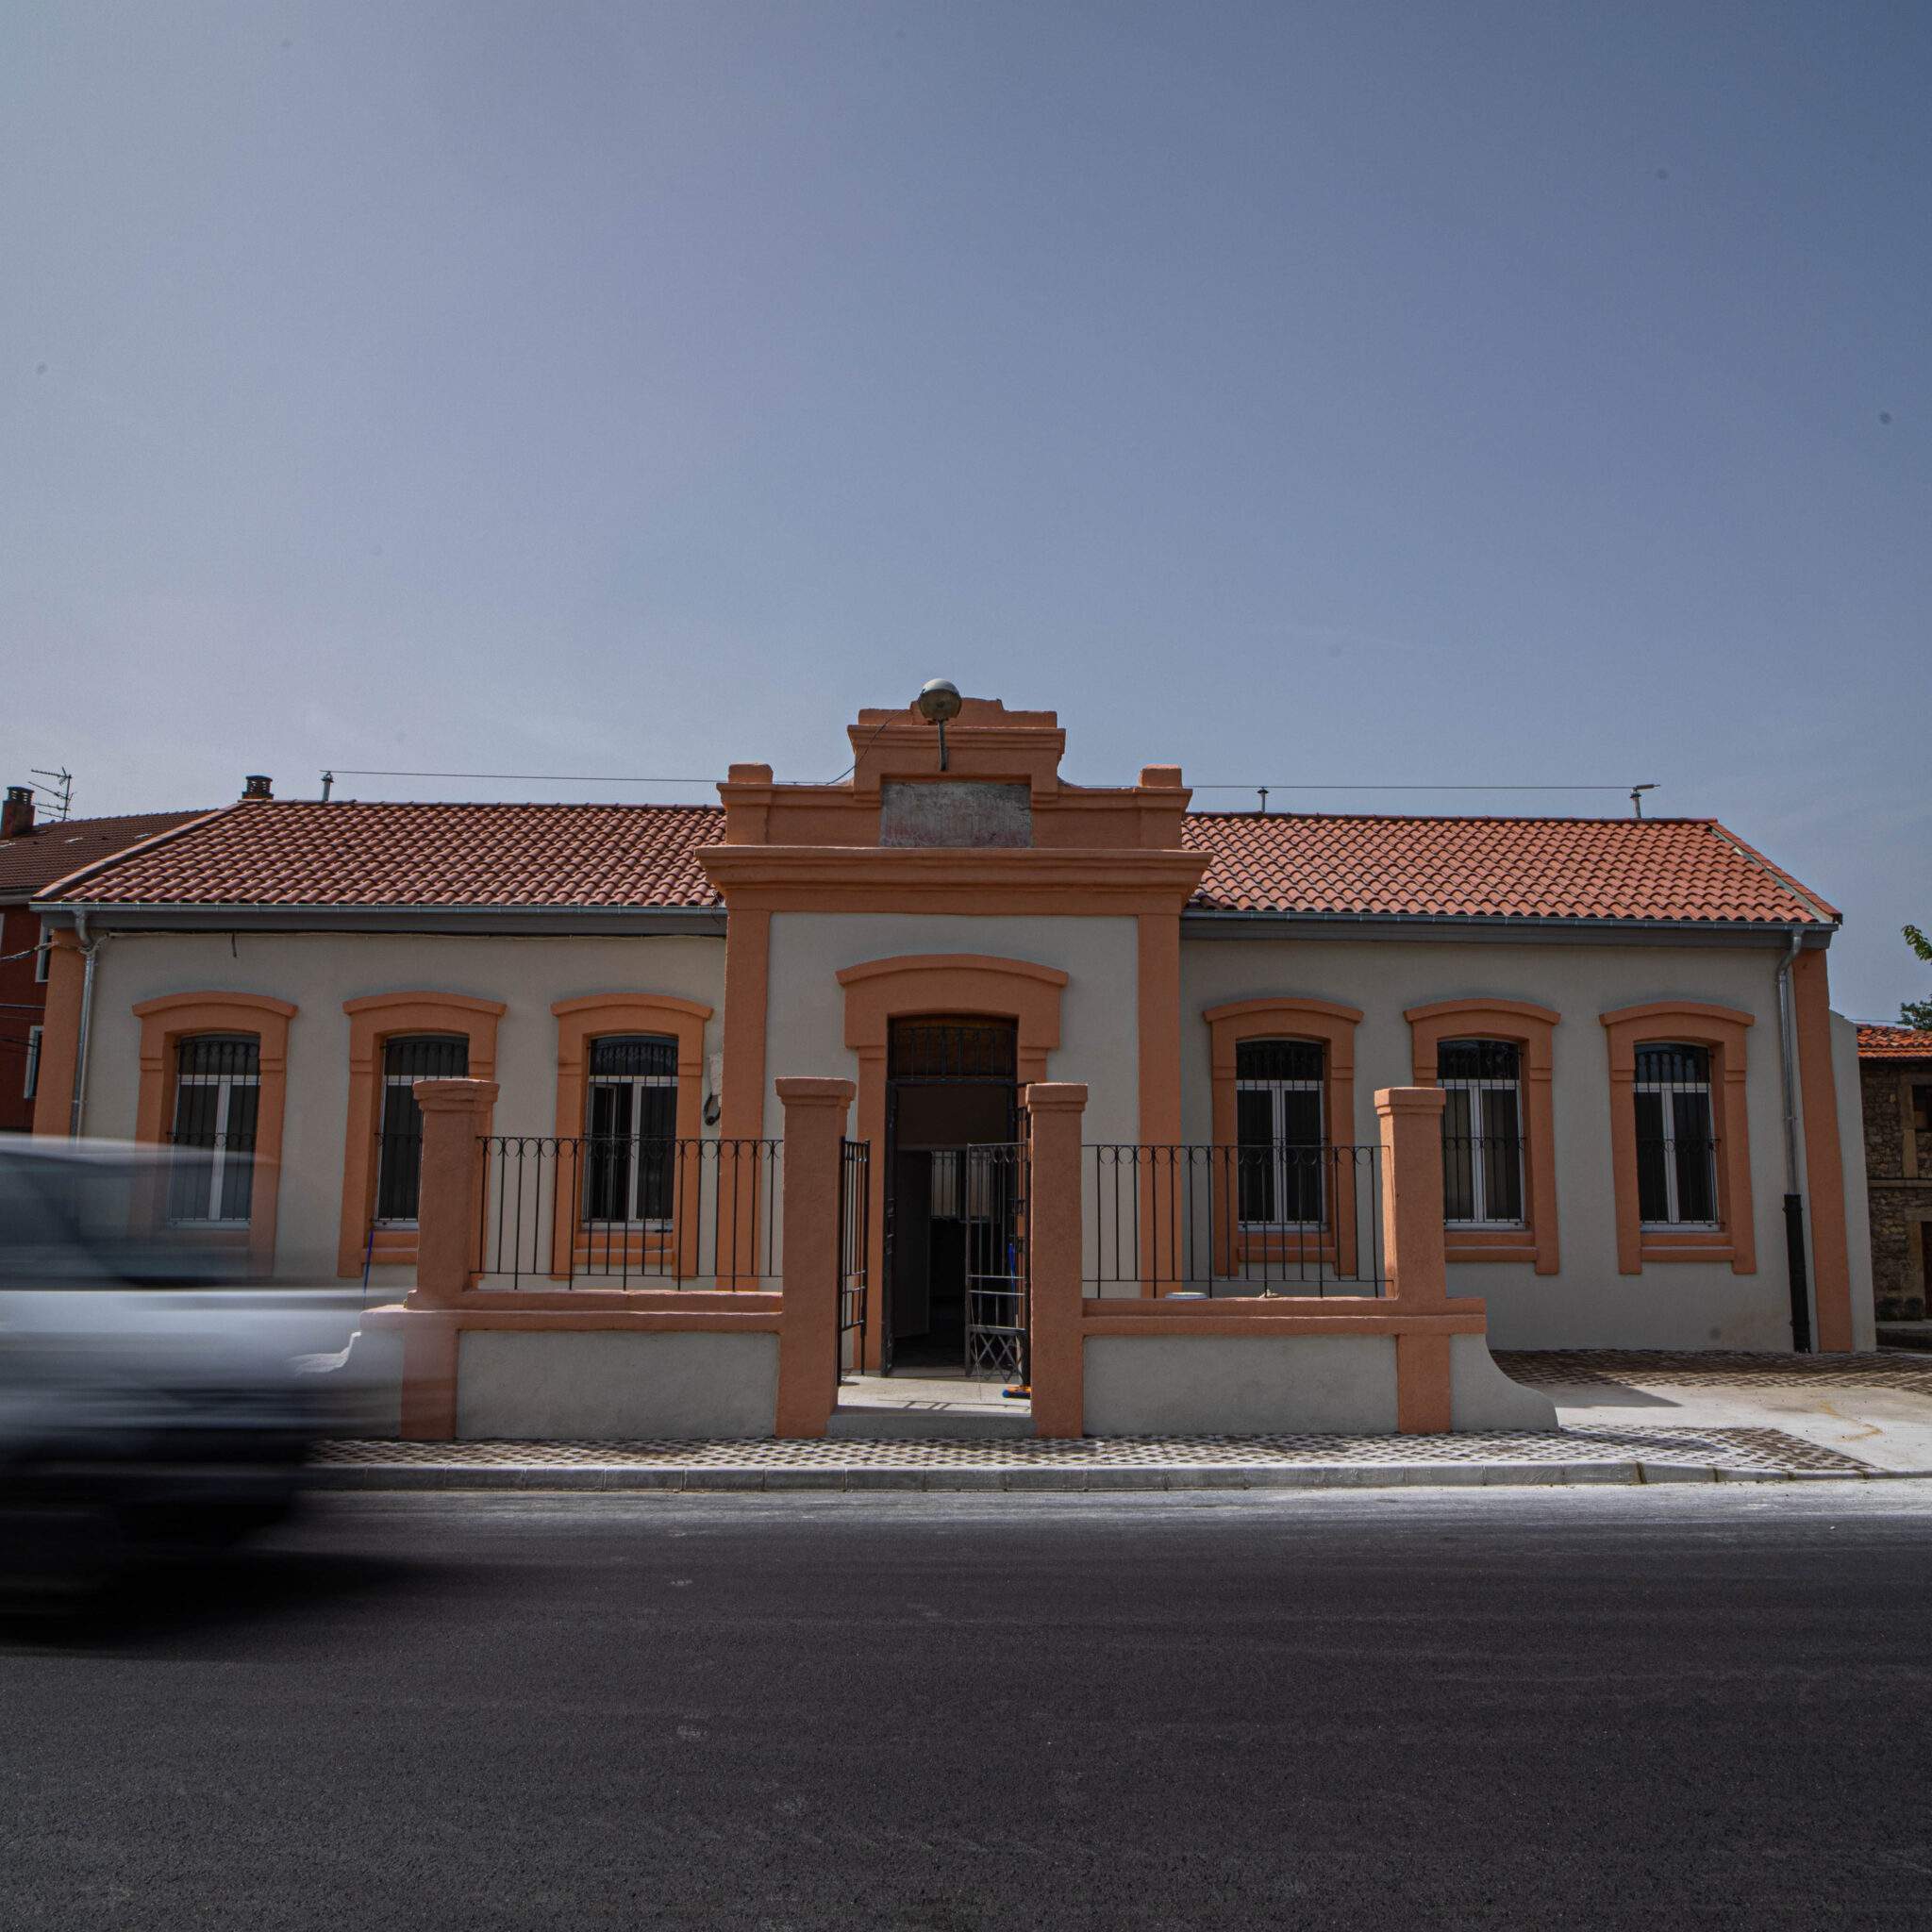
88,948
1795,1201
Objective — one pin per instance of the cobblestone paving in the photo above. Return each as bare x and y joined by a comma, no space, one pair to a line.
1764,1451
1715,1369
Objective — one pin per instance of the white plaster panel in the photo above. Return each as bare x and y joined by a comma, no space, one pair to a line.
317,972
1230,1384
1099,1014
1588,1303
603,1385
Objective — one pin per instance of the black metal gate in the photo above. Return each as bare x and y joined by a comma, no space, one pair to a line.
999,1301
855,1242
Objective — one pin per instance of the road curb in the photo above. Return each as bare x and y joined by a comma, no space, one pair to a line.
614,1478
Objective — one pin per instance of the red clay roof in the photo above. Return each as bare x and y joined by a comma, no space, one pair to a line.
303,853
1894,1043
35,860
297,853
1492,868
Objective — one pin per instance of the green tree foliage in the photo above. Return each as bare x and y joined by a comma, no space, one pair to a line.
1917,1012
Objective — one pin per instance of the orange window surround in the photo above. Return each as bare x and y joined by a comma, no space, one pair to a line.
1721,1031
593,1016
165,1022
373,1020
1530,1029
1326,1022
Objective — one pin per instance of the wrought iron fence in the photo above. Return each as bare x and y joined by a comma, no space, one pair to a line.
620,1211
999,1306
855,1250
1280,1220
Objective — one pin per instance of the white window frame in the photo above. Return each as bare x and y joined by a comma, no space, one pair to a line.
218,1154
31,1087
1478,1136
634,1084
44,952
1278,1091
1667,1092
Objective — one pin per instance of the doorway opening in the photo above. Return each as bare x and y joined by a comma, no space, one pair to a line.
951,1086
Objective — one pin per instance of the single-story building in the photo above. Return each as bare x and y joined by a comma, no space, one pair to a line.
1651,1130
1895,1071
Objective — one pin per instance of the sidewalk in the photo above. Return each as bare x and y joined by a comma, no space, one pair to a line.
1626,1417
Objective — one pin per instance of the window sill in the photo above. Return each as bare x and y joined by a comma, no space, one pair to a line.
1691,1244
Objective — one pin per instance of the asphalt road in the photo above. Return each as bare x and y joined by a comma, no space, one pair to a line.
1585,1708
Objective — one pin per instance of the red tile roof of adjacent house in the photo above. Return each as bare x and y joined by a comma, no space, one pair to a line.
293,853
1492,868
1894,1043
32,860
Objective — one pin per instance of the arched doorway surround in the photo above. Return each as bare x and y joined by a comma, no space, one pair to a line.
877,992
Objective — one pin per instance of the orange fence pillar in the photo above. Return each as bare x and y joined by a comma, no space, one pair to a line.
815,1116
448,1213
1413,1252
1054,1225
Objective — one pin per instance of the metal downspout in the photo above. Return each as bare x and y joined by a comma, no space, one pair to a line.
1795,1201
88,950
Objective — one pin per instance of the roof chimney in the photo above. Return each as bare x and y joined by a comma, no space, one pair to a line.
18,815
256,785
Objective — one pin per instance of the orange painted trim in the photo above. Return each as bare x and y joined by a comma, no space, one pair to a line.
877,992
1531,1029
1328,1022
581,1020
468,1313
1424,1404
1070,881
1722,1031
373,1019
164,1023
1334,1315
59,1035
1824,1173
1159,1000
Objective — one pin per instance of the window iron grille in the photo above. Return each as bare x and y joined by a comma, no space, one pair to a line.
1280,1096
1482,1132
217,1104
631,1124
1677,1137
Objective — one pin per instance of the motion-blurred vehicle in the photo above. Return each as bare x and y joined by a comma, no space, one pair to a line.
153,1397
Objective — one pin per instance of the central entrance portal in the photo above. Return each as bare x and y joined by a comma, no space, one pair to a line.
951,1094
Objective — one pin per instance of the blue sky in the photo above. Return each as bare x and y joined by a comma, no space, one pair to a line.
1322,394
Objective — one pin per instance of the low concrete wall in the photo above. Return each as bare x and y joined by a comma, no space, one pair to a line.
597,1385
1212,1385
1218,1385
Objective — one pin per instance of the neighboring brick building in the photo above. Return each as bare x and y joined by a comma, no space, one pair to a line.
1895,1072
32,858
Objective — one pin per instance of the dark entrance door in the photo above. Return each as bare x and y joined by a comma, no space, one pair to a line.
949,1085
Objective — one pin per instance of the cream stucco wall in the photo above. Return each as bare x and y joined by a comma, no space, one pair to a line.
1099,1020
317,972
1588,1303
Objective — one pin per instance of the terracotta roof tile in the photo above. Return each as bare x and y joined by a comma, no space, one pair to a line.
305,853
1894,1043
35,860
1504,868
297,853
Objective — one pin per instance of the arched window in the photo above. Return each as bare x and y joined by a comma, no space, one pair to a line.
1482,1132
630,1123
217,1105
1279,1110
405,1059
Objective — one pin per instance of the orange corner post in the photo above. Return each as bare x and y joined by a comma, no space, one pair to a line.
815,1116
1056,1368
447,1217
1413,1250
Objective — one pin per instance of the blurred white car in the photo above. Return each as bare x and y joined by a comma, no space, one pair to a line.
152,1396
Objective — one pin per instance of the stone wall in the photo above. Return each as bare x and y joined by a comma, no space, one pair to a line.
1901,1205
